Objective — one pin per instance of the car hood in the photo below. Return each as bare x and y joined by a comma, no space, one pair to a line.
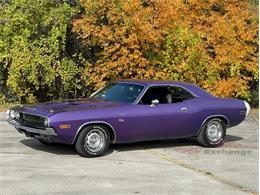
49,108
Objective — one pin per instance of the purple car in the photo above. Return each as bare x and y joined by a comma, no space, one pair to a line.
129,111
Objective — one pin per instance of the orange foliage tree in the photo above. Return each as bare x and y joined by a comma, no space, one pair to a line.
229,30
118,35
210,43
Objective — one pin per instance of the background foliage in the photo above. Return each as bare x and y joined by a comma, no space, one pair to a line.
66,49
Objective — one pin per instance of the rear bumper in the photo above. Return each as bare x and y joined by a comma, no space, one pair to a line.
48,131
247,108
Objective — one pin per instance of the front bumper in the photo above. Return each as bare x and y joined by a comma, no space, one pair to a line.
48,131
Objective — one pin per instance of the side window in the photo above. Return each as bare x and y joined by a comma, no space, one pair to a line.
178,94
165,95
157,92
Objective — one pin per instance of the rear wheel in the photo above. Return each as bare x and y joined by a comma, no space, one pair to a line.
212,133
93,141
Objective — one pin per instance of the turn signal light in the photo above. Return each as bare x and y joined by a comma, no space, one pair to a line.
64,126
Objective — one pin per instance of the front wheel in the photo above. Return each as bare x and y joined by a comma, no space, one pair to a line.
212,133
93,141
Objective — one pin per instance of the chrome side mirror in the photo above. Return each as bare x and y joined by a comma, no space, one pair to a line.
154,102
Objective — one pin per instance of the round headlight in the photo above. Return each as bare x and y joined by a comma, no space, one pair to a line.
46,122
12,114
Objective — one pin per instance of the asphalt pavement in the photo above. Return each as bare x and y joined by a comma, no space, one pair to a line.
159,167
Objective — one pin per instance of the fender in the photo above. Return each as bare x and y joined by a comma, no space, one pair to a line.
94,122
212,116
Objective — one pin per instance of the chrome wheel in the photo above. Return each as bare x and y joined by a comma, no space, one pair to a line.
214,131
94,140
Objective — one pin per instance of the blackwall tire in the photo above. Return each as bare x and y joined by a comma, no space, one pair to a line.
212,133
93,141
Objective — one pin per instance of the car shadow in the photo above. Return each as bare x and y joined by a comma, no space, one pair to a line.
232,138
173,143
64,149
55,148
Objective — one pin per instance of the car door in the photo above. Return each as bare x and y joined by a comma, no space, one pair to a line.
165,120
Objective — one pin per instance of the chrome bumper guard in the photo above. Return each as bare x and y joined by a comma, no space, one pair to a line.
47,131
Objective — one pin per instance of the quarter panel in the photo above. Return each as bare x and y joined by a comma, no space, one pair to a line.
232,109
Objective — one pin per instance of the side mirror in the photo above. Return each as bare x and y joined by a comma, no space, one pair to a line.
154,102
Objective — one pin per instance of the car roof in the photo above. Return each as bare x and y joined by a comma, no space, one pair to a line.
148,82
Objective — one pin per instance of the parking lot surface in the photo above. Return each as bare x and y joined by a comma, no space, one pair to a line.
158,167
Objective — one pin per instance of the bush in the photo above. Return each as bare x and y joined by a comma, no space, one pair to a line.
34,62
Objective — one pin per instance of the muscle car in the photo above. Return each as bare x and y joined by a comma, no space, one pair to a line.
130,111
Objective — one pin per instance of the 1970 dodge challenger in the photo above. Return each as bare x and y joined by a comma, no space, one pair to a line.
130,111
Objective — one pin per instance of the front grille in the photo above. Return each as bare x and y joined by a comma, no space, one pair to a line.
31,120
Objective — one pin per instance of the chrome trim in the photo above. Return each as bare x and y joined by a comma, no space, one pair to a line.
139,97
214,130
93,122
211,116
129,82
161,85
47,131
154,102
97,91
184,109
95,140
25,112
28,113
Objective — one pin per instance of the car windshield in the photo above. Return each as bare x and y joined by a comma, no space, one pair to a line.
119,92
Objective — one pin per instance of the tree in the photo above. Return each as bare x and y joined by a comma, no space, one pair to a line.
44,56
229,30
121,38
33,59
213,44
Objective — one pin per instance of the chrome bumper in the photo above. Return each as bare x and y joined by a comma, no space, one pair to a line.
18,126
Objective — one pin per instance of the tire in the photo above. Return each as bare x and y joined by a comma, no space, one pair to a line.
212,133
93,141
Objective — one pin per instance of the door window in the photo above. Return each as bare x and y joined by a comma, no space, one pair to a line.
165,95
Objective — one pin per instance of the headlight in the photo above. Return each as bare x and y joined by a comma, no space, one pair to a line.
12,114
46,122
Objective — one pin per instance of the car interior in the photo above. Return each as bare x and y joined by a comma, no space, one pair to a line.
165,95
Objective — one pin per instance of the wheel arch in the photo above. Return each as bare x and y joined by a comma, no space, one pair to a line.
107,125
220,116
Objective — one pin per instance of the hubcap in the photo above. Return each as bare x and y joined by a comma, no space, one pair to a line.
214,131
95,140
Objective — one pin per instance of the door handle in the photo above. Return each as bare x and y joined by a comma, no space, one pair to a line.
184,109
